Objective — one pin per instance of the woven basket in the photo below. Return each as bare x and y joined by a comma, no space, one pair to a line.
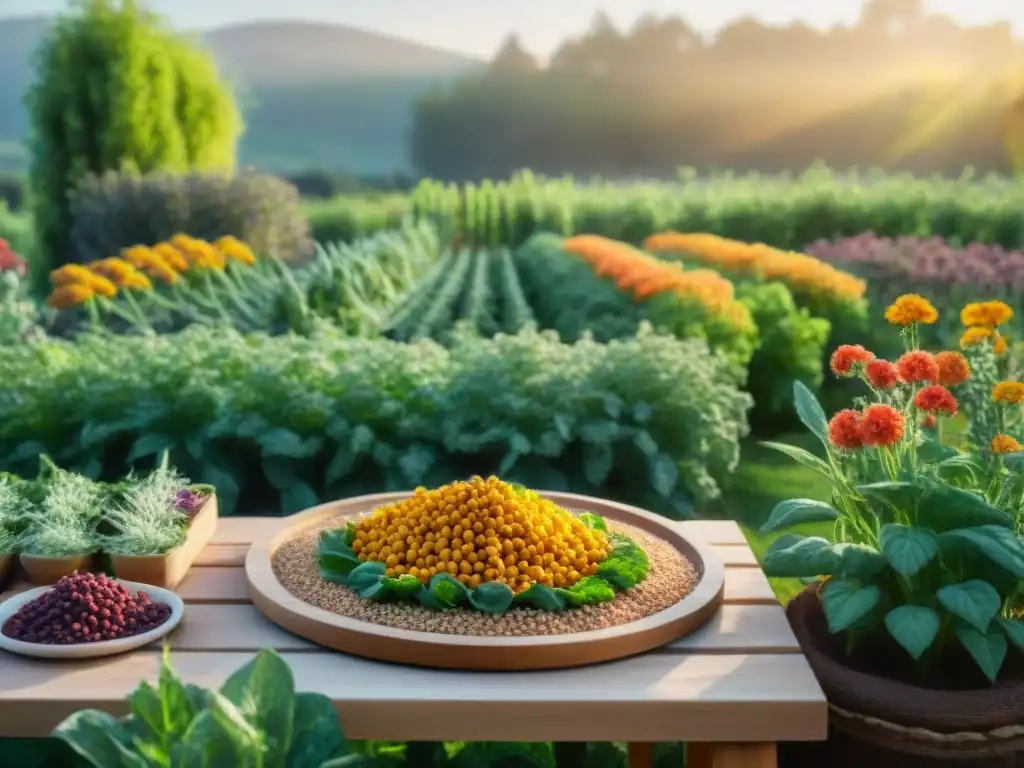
984,727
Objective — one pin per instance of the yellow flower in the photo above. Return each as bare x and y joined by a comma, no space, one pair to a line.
137,281
71,274
171,257
163,273
102,286
1008,392
911,308
1005,444
116,270
69,295
976,335
988,314
235,249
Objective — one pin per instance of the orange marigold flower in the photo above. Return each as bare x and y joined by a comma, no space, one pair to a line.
936,398
1005,444
1008,392
174,258
137,281
953,368
987,314
235,249
844,430
911,308
102,286
70,274
882,374
929,421
972,337
917,366
881,425
847,356
70,295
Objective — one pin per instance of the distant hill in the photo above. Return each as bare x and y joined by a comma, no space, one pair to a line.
314,95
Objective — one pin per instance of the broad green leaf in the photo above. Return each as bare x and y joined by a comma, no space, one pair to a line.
794,556
99,738
914,627
804,457
998,544
600,432
945,508
809,411
541,597
901,495
988,649
974,601
366,575
859,560
845,603
646,444
340,465
297,497
316,732
491,597
281,473
598,460
446,591
263,691
590,590
664,475
361,439
180,702
148,445
147,709
908,550
1014,631
626,566
288,444
335,558
798,511
591,520
403,587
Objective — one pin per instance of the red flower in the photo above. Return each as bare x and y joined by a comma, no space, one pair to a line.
928,422
9,260
881,425
882,374
847,356
917,366
844,430
936,399
953,368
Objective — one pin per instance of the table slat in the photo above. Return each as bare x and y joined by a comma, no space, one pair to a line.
656,697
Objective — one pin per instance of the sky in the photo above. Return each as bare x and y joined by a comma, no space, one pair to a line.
477,27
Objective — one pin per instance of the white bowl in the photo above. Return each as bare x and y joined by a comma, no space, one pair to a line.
100,648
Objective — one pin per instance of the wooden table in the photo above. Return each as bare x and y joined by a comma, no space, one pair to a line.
731,690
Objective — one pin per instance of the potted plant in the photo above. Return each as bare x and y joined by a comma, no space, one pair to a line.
158,528
912,617
12,509
60,535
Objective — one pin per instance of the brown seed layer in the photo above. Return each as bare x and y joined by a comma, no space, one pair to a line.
671,578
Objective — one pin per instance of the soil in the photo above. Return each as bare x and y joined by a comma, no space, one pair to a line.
671,578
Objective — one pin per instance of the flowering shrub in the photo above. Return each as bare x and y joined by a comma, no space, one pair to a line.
330,416
826,291
924,549
946,274
607,287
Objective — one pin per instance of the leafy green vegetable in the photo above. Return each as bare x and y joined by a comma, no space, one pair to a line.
256,720
625,567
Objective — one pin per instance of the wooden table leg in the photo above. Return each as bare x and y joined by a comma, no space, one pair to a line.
641,755
731,756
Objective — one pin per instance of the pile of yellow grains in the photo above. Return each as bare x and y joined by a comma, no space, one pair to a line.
481,531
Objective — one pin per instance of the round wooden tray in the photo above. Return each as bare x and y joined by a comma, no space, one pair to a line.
430,649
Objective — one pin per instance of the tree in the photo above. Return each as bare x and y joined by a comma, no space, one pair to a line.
513,58
115,90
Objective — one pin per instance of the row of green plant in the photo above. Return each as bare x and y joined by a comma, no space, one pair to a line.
291,420
786,211
257,718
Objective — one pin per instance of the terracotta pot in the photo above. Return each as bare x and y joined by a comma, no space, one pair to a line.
881,722
49,570
167,570
7,563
